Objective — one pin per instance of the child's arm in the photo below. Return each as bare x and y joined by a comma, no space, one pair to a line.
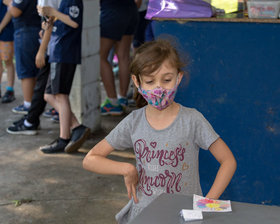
7,18
15,12
138,3
224,156
40,56
51,12
97,162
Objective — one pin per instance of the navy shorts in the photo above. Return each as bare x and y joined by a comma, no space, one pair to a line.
116,22
139,36
60,78
26,44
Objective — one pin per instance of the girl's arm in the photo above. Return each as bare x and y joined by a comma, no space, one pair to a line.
52,12
7,18
224,156
97,162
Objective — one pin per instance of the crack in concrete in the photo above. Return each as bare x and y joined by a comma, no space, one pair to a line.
28,201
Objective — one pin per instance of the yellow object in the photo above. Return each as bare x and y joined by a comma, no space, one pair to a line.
227,5
213,205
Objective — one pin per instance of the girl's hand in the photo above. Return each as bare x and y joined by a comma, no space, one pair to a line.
47,11
40,60
7,2
41,34
131,181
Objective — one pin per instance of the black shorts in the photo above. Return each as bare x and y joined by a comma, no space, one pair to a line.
116,22
60,78
139,36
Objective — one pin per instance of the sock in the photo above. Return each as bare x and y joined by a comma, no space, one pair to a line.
26,104
64,141
114,101
27,124
123,97
10,88
77,127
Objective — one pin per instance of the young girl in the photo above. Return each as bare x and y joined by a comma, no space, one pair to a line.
165,136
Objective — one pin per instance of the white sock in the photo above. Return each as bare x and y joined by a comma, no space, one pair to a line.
123,97
27,124
114,101
26,104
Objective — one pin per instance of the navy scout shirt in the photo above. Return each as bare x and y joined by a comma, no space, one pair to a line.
7,33
29,16
65,43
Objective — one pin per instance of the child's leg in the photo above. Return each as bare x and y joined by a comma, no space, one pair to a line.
27,85
65,114
1,64
57,94
10,72
106,68
123,51
1,71
53,101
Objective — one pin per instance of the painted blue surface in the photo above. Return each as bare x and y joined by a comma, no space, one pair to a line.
235,82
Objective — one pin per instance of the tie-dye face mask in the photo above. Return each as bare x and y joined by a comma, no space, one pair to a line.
159,97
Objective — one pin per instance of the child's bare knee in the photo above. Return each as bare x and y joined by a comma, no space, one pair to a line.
47,97
8,62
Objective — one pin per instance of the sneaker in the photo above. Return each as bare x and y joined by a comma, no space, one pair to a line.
21,129
116,70
55,118
123,101
131,103
8,97
50,113
79,136
21,120
21,109
108,109
57,145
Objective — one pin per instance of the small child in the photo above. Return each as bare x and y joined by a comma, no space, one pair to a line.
29,124
64,55
7,52
27,25
165,136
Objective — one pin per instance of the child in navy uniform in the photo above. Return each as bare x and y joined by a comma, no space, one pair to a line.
7,52
27,25
64,55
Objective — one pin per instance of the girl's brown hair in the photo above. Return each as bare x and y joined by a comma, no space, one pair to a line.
148,58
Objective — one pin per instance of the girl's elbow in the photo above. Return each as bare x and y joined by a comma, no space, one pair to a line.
234,164
86,162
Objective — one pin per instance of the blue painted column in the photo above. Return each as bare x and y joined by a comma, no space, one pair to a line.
235,82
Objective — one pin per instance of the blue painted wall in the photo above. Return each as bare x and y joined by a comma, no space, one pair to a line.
235,82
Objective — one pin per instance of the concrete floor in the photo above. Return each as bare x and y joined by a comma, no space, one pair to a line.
54,188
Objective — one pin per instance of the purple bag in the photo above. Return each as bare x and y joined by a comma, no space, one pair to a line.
178,9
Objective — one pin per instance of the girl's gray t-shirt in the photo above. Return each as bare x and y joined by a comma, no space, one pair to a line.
167,159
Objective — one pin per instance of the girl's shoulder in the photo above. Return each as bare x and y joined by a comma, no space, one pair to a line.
191,113
135,115
189,110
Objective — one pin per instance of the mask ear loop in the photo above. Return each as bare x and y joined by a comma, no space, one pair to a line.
139,87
